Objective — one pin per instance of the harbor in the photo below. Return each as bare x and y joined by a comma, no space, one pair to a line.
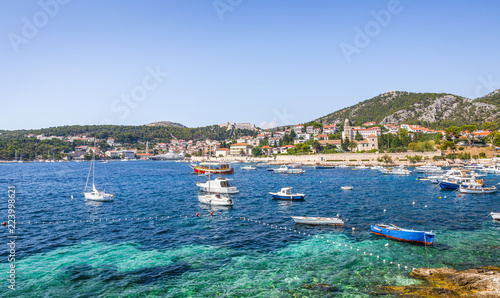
111,247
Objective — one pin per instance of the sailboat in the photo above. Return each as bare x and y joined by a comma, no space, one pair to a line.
94,194
214,199
21,157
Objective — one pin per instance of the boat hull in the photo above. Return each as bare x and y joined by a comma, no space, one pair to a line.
98,197
476,191
318,220
289,197
404,235
448,185
215,200
201,170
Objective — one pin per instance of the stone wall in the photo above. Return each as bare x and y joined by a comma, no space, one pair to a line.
334,159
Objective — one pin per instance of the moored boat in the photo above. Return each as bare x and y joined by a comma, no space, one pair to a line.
218,185
495,215
337,221
213,167
454,182
477,189
286,194
397,233
288,170
248,168
324,167
216,199
346,187
400,170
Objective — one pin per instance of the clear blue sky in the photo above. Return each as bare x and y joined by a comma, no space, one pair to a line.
258,61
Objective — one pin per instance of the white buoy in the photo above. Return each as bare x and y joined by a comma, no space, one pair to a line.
387,244
385,210
425,206
72,197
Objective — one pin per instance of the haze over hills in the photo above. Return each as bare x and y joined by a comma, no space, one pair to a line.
435,110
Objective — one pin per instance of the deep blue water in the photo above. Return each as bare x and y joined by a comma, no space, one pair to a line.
185,255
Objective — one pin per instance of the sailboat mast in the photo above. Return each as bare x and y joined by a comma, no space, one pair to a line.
93,164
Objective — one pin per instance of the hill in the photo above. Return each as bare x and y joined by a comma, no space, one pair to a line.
492,98
132,134
166,123
434,110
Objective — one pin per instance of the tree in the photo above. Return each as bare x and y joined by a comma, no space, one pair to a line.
242,152
437,139
256,151
352,146
316,146
387,159
358,136
453,132
344,144
489,126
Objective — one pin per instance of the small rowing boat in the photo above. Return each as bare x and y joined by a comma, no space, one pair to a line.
397,233
495,215
318,220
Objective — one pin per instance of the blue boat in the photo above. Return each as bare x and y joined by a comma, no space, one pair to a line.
397,233
286,194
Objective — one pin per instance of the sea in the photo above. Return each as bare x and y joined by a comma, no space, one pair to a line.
156,240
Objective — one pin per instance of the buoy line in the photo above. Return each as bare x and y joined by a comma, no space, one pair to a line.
336,244
342,245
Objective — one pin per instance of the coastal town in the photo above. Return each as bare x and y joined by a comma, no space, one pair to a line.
293,140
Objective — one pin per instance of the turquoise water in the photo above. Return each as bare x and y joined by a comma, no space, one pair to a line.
183,255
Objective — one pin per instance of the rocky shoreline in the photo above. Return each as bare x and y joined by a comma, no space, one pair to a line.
446,282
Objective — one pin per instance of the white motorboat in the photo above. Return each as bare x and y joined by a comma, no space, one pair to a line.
377,168
216,199
248,168
400,170
94,194
346,187
477,189
286,194
495,215
494,169
436,178
318,220
474,166
284,169
361,167
429,169
218,185
464,179
342,166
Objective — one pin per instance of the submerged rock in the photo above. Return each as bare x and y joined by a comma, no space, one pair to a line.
320,287
446,282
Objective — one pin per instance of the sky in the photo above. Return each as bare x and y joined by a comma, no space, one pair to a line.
198,63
